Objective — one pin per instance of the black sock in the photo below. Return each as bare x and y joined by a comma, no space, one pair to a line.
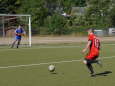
90,68
18,44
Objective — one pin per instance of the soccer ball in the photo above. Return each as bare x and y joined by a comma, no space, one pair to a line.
51,68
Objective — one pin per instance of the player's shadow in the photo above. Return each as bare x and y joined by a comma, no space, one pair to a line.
54,73
105,73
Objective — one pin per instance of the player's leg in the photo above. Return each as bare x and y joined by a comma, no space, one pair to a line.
18,43
13,43
16,39
88,62
97,61
89,66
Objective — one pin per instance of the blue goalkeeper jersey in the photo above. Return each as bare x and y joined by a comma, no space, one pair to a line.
18,32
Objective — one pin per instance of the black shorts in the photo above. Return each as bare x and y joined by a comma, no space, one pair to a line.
89,61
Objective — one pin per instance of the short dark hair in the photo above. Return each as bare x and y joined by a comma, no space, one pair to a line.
21,25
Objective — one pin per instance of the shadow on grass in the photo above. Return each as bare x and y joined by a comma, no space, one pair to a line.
54,73
105,73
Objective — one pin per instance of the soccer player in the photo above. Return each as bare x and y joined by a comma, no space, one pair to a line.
19,32
94,46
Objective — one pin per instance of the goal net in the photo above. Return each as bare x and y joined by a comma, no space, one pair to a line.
8,24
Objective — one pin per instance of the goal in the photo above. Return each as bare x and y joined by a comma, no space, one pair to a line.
8,24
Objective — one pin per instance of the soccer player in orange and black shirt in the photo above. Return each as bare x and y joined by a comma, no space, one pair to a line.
94,46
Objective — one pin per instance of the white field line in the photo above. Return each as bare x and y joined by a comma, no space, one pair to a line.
56,62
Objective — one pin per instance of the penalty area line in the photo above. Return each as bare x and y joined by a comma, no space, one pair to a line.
55,62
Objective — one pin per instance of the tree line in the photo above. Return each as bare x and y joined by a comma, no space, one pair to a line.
47,18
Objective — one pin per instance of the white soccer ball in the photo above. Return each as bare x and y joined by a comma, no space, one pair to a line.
51,68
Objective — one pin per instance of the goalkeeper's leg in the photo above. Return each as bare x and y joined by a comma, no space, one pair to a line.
13,44
19,40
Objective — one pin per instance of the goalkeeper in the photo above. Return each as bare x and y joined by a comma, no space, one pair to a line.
19,32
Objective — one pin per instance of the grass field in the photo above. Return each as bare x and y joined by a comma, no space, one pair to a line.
29,66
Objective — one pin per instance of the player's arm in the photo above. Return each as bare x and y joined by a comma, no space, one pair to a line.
87,46
16,32
24,33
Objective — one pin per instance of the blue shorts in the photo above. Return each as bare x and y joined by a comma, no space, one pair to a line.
18,37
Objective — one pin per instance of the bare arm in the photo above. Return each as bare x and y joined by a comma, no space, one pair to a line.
23,32
87,46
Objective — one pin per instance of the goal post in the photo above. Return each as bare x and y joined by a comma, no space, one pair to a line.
30,34
11,21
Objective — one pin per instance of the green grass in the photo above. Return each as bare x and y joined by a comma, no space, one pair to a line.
67,74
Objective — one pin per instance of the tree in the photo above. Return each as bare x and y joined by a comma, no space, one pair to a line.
41,10
56,24
112,16
38,11
9,6
98,12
